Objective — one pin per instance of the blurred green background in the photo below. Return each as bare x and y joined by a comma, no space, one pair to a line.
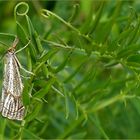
85,55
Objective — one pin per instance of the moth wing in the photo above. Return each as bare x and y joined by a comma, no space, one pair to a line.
11,103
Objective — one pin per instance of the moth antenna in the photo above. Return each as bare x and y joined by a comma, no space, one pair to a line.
15,42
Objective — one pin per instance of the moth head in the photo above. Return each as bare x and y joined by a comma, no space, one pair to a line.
11,50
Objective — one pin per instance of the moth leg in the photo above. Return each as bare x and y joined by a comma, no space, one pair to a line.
26,77
29,72
23,47
20,66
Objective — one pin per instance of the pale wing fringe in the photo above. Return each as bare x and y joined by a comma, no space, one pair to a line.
12,108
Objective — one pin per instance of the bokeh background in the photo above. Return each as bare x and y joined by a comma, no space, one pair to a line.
85,55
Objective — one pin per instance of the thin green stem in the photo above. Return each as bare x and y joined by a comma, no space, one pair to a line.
16,12
46,13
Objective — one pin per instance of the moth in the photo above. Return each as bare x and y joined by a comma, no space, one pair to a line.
11,105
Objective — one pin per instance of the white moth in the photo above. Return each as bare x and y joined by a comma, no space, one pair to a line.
11,105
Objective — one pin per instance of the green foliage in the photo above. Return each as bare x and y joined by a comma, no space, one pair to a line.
85,56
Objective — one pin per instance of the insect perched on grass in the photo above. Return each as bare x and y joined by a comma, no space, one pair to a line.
11,105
